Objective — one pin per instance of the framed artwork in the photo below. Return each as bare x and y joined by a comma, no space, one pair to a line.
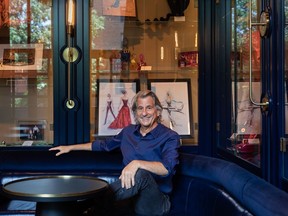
176,103
31,130
114,105
125,8
247,116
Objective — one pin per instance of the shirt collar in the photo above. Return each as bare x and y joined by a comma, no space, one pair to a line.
155,132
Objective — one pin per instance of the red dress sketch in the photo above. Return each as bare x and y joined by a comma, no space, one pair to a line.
123,118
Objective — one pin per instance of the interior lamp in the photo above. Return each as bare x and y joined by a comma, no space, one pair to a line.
70,16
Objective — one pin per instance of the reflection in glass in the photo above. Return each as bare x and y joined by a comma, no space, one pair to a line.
149,46
245,136
25,69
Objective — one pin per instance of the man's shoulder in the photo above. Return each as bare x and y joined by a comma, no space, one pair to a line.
130,128
163,129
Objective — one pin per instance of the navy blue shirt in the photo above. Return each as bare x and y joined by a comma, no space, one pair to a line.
161,144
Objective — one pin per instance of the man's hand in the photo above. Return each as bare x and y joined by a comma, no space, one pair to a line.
67,148
61,149
128,174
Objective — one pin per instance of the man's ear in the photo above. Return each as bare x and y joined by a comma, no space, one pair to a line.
158,113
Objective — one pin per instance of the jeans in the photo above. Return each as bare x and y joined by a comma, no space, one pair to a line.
148,200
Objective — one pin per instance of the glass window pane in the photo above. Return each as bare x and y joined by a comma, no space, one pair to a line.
245,136
150,47
26,110
285,158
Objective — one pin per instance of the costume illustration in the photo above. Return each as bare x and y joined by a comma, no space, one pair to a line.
109,108
171,106
123,118
248,119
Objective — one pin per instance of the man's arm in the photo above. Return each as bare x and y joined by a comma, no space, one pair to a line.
152,166
68,148
128,173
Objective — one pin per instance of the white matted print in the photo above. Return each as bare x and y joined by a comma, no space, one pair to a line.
115,106
174,97
21,56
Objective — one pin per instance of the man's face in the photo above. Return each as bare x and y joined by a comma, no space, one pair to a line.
147,113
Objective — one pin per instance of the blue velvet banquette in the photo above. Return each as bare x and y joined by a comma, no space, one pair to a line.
202,186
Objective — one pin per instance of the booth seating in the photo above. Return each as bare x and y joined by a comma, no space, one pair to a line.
203,185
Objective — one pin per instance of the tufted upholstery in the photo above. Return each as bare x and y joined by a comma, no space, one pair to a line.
203,185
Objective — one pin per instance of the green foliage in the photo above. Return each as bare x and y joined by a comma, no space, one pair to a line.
97,24
33,29
240,20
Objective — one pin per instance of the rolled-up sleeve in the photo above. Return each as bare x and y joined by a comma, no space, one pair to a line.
108,144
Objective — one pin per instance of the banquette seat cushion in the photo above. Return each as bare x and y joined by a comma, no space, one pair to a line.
202,185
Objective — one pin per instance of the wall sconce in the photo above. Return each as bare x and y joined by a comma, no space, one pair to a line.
70,53
70,16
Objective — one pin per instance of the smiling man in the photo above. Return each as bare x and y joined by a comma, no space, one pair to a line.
150,155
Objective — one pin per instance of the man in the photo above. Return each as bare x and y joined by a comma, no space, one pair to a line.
150,154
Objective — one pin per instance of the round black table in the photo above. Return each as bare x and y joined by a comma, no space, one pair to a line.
55,195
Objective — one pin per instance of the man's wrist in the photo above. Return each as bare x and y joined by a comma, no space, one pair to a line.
138,164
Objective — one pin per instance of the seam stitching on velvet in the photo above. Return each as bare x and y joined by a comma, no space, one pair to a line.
243,188
187,195
256,201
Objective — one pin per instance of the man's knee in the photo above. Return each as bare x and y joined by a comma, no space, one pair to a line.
144,178
142,174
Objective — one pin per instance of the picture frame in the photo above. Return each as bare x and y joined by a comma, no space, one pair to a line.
114,105
125,8
177,108
31,130
21,56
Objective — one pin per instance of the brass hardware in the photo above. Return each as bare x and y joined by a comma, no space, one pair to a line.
265,103
70,104
283,144
264,27
70,54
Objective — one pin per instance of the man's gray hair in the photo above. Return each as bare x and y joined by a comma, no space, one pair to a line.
144,94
